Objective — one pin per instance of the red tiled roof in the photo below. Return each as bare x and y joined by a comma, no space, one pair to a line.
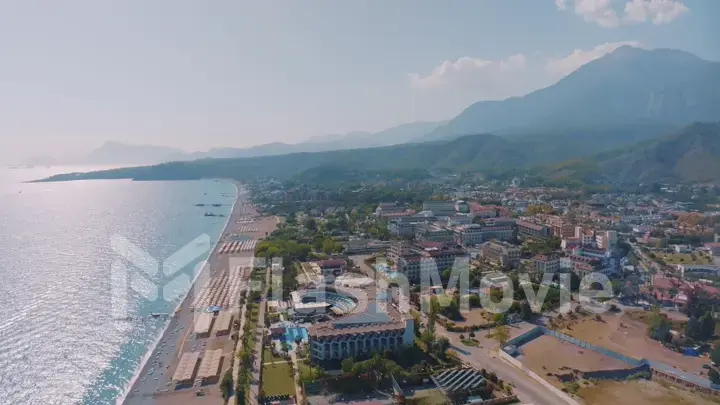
710,290
332,264
443,252
530,225
664,283
544,258
429,244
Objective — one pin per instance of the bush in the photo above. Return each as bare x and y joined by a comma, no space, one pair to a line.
714,376
572,387
226,385
641,375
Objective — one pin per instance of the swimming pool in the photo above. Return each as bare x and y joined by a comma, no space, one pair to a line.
292,333
386,270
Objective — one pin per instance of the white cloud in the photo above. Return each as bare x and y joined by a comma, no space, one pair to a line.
597,11
454,84
469,79
450,73
603,12
658,11
579,57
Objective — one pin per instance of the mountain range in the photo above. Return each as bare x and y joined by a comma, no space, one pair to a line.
628,87
116,153
633,109
688,155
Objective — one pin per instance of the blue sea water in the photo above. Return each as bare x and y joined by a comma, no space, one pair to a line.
60,340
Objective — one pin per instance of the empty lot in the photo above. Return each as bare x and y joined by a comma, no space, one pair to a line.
625,335
547,354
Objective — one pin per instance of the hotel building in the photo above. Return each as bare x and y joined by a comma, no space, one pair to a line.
475,234
546,263
439,207
501,253
377,326
530,230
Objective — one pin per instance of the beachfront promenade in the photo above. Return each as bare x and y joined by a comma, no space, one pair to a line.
299,395
239,347
259,337
255,381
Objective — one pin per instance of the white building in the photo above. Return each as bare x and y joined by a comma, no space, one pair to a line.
378,328
703,269
475,234
606,239
585,236
547,264
439,207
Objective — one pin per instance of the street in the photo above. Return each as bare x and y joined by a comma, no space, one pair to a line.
527,389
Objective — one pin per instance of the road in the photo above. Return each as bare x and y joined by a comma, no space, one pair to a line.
527,389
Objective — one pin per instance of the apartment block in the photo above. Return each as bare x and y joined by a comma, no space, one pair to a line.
501,253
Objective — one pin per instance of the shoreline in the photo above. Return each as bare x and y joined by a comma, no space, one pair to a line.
182,320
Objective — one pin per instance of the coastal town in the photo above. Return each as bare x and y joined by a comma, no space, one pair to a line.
351,295
509,202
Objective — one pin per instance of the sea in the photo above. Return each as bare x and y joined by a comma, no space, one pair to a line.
79,262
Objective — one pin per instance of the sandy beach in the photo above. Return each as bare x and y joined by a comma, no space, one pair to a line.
154,385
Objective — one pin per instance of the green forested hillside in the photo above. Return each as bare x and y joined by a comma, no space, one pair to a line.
690,154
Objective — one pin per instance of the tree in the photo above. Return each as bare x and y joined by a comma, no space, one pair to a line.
472,335
501,334
707,326
714,376
500,319
659,326
492,377
526,311
226,385
417,322
433,313
428,337
693,328
311,224
329,246
440,348
347,365
715,354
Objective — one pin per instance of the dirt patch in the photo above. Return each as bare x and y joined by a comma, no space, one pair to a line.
628,336
548,355
639,392
474,317
685,258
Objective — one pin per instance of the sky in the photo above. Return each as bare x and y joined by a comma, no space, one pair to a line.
234,73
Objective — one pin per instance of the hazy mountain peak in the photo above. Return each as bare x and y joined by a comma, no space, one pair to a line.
626,87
